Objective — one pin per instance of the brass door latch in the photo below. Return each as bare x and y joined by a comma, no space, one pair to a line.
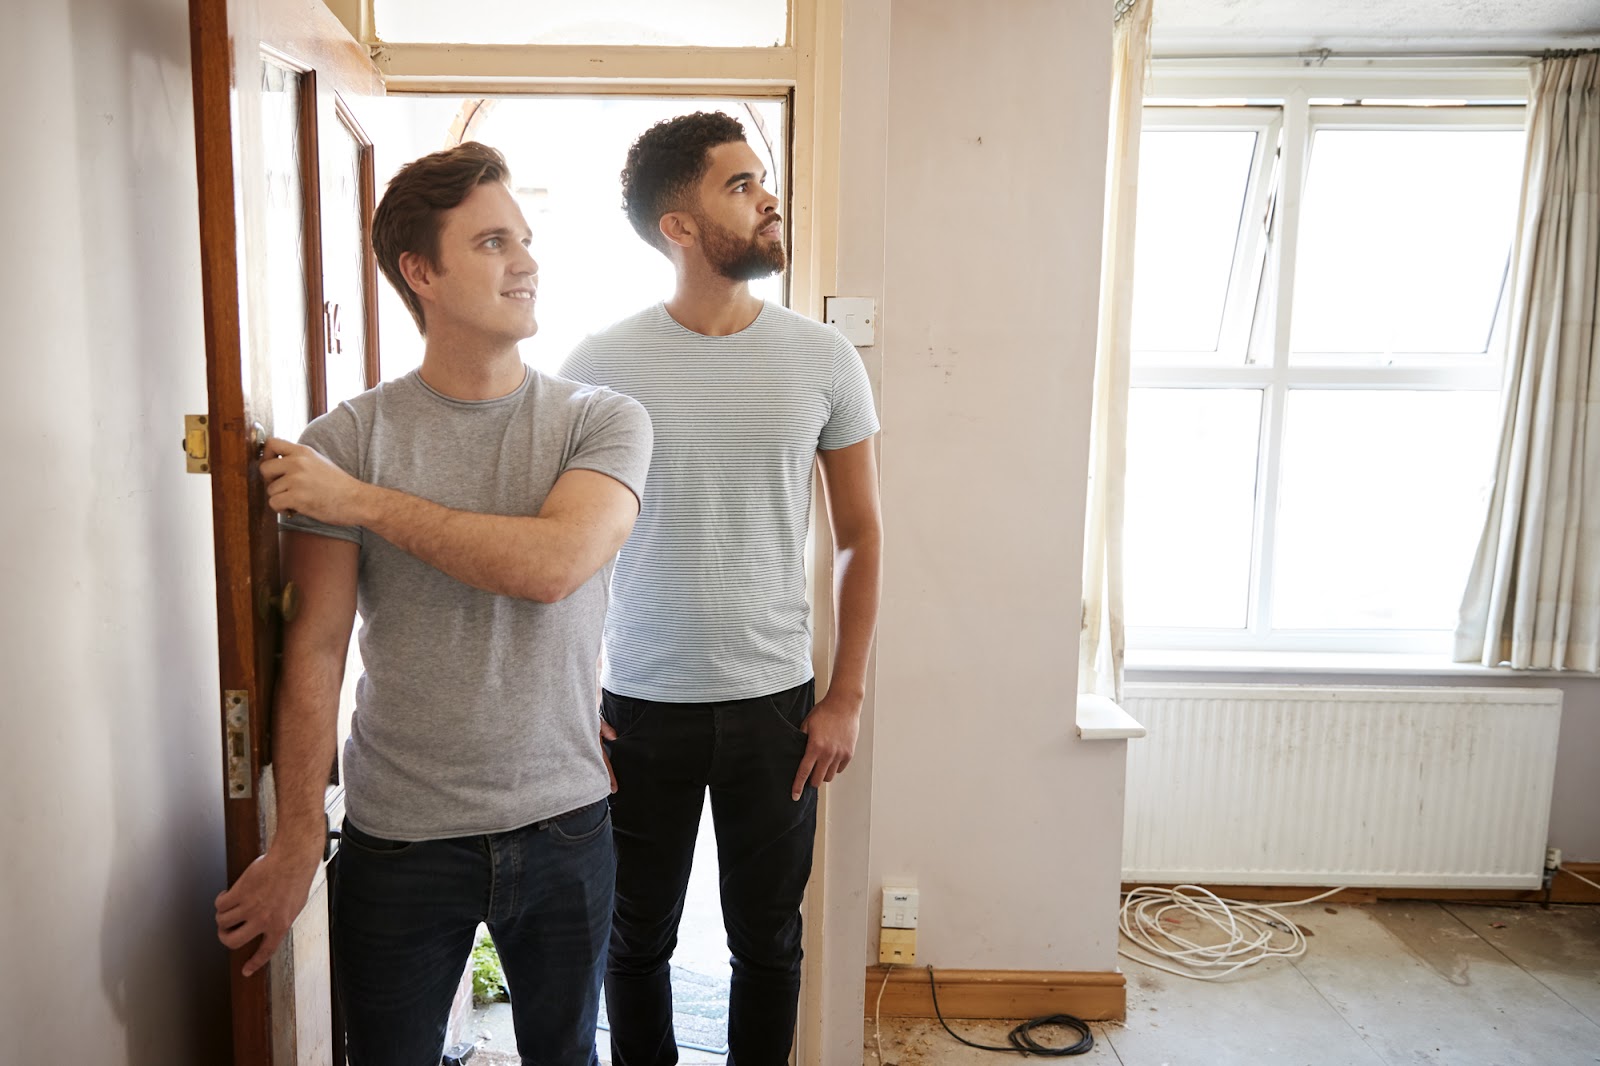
236,742
197,444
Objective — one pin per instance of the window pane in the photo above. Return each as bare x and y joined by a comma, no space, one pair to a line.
1190,506
703,23
1191,194
1404,237
593,268
283,260
1380,508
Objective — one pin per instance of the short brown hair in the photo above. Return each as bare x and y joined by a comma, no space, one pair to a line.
407,219
666,163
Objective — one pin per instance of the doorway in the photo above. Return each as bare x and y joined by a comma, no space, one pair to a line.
565,153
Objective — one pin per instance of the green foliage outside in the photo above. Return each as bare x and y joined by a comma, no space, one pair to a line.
488,979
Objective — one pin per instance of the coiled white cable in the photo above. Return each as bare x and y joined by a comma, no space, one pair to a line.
1248,929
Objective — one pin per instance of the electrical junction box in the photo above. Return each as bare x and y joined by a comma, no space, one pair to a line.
854,316
897,939
897,947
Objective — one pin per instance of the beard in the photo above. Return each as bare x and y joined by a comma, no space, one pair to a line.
740,258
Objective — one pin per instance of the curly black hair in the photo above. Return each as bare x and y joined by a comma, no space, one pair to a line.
666,163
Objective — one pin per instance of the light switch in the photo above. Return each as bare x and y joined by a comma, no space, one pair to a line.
854,316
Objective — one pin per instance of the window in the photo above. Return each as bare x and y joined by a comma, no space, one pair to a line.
703,23
1318,310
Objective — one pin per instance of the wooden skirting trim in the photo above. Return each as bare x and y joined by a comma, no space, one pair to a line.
1563,889
1093,995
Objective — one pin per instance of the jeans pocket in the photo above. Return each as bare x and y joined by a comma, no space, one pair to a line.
792,706
582,825
623,713
349,834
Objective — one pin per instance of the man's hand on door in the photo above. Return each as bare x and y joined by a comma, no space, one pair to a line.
264,903
300,480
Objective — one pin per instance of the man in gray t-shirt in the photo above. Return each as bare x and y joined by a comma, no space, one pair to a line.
708,679
470,510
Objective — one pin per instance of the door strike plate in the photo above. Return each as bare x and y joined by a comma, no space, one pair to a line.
236,738
197,444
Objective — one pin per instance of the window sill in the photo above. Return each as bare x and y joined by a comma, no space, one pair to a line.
1151,661
1101,719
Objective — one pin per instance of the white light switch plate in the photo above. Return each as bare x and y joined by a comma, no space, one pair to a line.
854,316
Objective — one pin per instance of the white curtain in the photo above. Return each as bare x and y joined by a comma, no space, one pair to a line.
1101,645
1533,599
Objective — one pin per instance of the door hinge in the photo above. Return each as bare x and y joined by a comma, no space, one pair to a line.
197,444
236,737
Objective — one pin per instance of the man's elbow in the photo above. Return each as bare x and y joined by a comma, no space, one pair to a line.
570,568
551,590
863,541
557,583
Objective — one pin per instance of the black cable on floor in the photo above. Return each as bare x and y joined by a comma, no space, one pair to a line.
1021,1038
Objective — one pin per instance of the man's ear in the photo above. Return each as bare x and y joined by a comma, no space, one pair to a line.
679,228
418,273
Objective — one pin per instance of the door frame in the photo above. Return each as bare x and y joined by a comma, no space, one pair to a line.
809,70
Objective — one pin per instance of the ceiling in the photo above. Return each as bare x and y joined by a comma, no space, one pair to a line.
1189,27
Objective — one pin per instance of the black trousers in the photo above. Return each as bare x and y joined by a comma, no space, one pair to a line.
665,757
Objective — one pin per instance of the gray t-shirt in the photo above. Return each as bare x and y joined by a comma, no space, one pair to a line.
475,713
709,596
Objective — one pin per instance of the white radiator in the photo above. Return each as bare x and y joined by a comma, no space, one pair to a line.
1290,785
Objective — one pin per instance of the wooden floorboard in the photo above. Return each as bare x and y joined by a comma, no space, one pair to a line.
1382,984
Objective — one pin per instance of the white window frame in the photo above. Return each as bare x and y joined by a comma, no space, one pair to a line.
1274,96
1249,257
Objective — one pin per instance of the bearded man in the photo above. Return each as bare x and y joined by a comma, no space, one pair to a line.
707,682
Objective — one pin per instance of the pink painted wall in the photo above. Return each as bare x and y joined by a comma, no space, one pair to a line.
972,177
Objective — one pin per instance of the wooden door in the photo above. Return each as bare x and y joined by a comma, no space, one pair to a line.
286,196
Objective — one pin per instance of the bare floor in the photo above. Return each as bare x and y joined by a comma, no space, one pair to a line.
1380,985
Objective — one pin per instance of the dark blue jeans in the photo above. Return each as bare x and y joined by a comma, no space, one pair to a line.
665,757
404,917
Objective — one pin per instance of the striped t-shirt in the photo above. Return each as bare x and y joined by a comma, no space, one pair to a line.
708,598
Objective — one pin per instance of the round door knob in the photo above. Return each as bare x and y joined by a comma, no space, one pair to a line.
286,603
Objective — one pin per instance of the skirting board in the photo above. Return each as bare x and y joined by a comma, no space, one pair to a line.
1092,995
1563,889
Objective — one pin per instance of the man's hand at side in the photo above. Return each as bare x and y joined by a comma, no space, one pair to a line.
850,488
607,733
831,729
265,901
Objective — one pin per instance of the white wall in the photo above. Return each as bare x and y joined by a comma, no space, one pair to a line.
110,791
995,117
1575,806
